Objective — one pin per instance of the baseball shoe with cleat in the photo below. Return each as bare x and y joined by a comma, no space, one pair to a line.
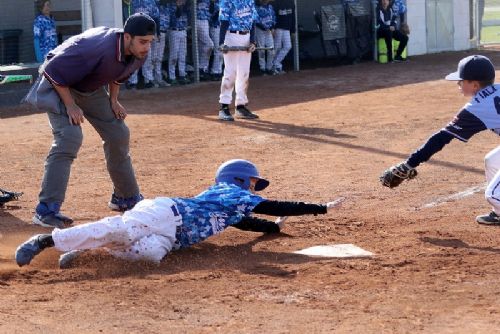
490,219
243,112
28,250
225,114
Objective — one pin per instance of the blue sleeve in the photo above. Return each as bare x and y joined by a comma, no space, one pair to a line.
433,145
38,52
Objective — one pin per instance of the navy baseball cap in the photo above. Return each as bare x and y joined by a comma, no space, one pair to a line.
474,68
140,24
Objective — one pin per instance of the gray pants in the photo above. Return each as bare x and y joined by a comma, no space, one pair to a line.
68,139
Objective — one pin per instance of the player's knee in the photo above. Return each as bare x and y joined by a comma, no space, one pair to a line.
70,139
119,136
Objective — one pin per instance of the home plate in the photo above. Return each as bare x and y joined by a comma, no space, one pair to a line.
340,250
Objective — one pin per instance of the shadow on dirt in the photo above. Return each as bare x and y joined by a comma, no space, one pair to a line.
457,243
315,84
204,259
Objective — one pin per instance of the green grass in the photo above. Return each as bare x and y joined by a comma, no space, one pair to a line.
491,15
490,35
491,3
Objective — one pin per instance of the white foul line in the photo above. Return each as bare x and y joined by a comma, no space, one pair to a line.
466,193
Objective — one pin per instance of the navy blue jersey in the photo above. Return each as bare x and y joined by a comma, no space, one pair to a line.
480,113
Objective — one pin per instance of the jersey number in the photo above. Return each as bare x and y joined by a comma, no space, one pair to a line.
496,102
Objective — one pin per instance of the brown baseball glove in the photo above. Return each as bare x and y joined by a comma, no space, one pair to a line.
393,176
405,29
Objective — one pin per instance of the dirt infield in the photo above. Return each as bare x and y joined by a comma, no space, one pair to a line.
323,133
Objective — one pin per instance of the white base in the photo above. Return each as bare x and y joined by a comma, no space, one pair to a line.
341,250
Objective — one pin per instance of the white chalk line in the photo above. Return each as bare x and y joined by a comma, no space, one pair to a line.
454,197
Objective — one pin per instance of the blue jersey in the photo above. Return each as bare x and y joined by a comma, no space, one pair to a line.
44,29
164,18
214,14
399,7
203,10
149,7
266,17
212,211
179,16
241,14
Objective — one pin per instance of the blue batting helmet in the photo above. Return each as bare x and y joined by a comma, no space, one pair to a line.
239,172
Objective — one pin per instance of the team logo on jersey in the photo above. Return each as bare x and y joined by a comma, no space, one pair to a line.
218,222
333,23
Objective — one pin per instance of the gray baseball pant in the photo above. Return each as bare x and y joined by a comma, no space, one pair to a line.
68,139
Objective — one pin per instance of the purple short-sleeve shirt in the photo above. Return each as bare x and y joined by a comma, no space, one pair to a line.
90,60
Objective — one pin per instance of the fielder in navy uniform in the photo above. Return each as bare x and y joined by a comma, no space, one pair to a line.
73,88
155,227
475,77
237,19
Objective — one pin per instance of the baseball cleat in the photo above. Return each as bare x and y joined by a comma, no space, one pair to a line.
243,112
225,114
67,259
490,219
28,250
52,220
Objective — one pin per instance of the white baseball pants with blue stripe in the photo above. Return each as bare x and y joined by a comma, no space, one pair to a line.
265,39
147,232
282,45
205,44
492,171
152,66
217,56
177,41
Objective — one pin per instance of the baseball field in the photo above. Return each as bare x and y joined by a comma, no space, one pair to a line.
322,134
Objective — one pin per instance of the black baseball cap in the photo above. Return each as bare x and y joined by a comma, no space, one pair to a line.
140,24
474,68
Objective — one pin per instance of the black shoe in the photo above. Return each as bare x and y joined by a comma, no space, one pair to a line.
130,85
243,112
216,77
225,114
490,219
148,85
204,76
399,59
184,80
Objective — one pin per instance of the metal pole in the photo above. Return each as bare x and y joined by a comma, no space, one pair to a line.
375,39
296,61
194,41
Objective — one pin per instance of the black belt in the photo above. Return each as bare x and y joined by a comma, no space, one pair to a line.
239,32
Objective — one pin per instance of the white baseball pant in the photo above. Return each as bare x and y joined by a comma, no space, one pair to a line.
152,66
147,232
282,45
492,171
177,41
217,58
265,39
205,44
236,70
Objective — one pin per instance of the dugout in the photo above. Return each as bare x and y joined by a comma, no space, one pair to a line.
341,30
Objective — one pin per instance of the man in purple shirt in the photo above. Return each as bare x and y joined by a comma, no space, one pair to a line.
81,80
